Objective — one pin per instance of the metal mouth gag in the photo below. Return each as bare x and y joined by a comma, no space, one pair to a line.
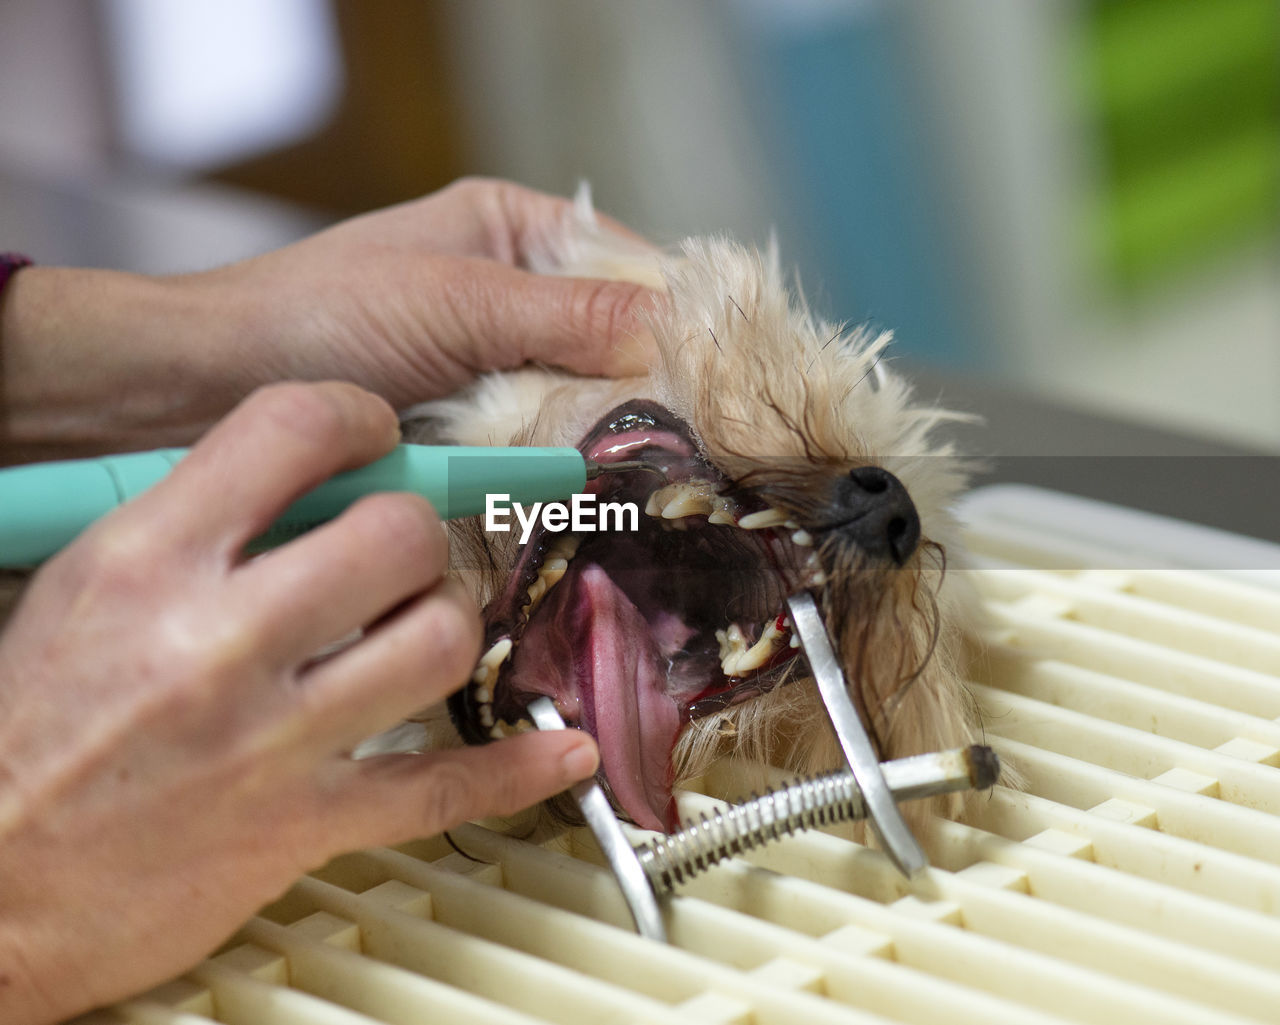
867,789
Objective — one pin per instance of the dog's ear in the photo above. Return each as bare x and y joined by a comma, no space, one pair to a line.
581,246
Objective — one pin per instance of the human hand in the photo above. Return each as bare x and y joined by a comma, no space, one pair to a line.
167,740
410,302
413,301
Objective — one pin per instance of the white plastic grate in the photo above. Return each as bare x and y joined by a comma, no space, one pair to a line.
1135,879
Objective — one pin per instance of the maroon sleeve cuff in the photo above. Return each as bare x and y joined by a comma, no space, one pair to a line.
9,263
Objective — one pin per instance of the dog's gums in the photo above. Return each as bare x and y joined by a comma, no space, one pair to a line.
635,634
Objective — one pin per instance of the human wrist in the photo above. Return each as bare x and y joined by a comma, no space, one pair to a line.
99,360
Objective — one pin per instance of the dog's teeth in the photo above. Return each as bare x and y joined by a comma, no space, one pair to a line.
487,668
502,729
565,547
727,646
802,538
483,694
486,715
762,519
741,659
676,501
818,579
552,570
687,503
497,654
795,641
792,525
722,517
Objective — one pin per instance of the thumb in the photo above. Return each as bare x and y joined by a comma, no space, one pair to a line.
587,325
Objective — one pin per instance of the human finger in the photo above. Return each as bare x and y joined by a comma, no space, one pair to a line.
394,798
344,574
503,221
279,443
501,317
415,657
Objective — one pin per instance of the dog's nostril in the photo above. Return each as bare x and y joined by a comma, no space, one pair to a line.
872,479
872,509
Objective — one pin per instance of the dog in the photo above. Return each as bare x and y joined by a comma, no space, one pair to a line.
792,457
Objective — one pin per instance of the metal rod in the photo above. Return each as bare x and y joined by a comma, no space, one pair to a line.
824,800
595,469
636,890
887,821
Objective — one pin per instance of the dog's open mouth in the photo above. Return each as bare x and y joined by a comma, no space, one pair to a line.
635,633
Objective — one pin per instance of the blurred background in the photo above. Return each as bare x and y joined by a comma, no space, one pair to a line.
1077,199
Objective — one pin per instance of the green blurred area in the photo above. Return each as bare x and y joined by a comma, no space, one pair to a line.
1185,97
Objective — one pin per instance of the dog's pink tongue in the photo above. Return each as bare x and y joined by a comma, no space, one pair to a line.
633,720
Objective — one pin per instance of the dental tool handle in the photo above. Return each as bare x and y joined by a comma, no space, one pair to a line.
44,506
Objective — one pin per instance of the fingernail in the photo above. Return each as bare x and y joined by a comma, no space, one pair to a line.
636,355
581,760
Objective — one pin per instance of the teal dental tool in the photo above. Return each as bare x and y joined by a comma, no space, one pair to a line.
44,506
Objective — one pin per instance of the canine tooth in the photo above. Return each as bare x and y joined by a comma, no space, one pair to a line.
803,538
721,517
487,668
497,654
687,503
763,518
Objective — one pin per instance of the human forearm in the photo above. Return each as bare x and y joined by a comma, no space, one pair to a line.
98,360
411,303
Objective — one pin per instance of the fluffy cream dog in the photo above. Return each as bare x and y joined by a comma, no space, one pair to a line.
794,459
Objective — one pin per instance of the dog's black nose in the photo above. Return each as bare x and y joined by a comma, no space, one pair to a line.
873,510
